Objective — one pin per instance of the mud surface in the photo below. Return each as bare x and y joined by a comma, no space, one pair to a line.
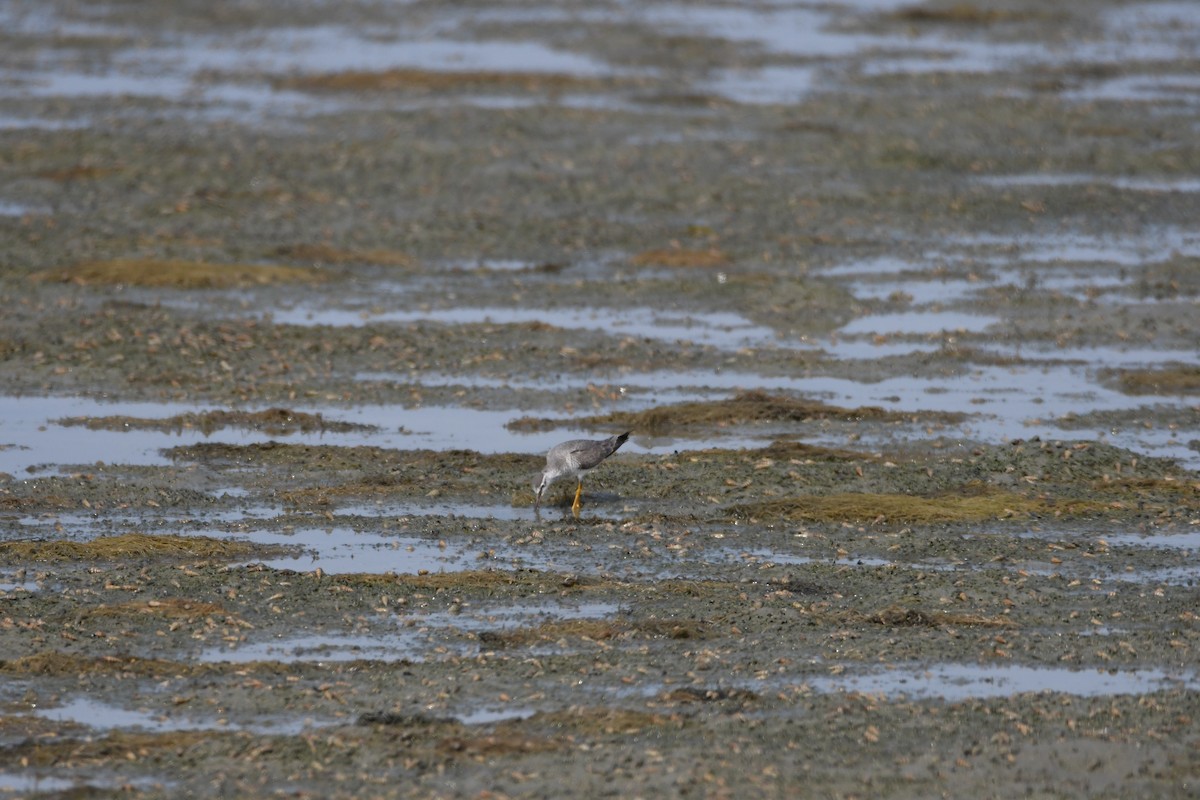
899,302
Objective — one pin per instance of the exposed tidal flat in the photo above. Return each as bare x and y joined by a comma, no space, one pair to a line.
898,300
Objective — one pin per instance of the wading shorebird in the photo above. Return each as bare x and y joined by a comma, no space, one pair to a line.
576,458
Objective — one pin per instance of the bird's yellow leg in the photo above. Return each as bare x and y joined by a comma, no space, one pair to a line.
578,493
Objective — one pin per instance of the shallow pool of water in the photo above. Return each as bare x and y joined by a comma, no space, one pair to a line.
413,637
342,550
99,715
955,682
722,329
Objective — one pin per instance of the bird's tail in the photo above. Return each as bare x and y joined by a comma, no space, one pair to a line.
614,443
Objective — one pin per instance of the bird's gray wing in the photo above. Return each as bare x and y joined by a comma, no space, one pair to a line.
589,454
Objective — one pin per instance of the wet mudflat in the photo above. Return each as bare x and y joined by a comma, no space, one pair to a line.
899,302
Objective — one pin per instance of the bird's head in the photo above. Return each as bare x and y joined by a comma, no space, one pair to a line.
539,487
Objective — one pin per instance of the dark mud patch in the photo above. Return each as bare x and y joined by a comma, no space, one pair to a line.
274,421
177,274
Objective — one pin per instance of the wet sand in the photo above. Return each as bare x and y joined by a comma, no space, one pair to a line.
899,302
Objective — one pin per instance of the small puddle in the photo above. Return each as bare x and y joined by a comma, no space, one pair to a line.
321,648
8,209
1009,402
37,784
1166,541
102,716
11,123
725,330
1074,179
8,586
1129,249
921,290
956,682
335,48
762,557
485,716
1180,88
342,550
447,509
918,323
414,638
1188,575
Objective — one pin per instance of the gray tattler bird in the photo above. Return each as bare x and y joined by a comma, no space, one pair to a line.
575,458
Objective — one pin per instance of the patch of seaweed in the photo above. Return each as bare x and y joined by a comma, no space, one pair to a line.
328,254
274,421
179,274
1178,379
114,748
588,629
170,608
744,408
126,545
77,172
787,450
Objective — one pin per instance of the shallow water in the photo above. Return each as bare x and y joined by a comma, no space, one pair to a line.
957,682
342,550
727,330
223,76
413,637
102,716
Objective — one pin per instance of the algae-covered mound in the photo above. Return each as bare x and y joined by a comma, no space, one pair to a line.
1181,379
328,254
179,274
745,408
